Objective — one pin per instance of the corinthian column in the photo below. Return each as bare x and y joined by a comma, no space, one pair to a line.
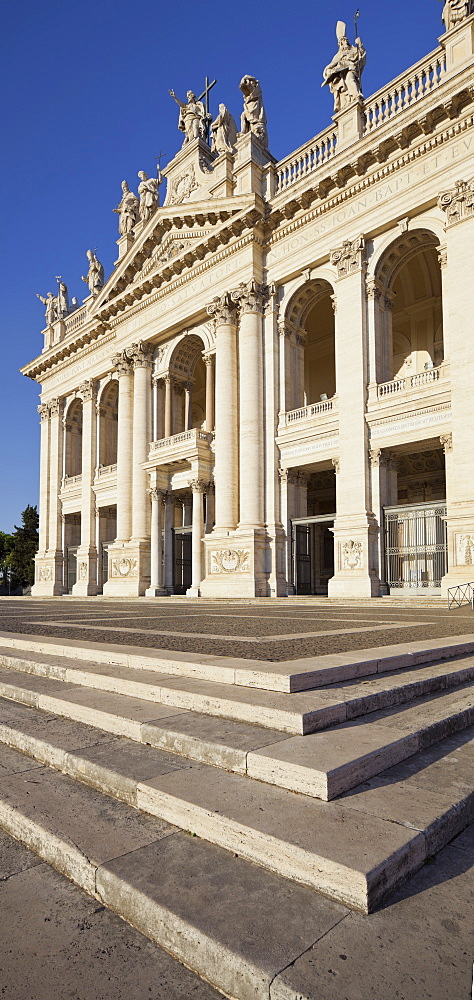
156,563
198,487
55,472
209,363
251,298
43,411
124,448
140,354
86,583
226,474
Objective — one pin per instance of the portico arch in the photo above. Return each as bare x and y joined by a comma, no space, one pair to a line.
73,439
310,333
108,423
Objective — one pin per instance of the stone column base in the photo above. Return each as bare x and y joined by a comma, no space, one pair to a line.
86,580
355,561
237,564
156,592
193,592
48,574
129,569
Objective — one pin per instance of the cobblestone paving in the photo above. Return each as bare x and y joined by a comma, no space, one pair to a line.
254,631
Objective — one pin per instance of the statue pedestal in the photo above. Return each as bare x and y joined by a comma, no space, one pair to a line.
251,164
124,244
190,174
458,43
222,169
350,124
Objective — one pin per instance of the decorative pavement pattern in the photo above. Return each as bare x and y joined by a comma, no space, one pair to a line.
260,631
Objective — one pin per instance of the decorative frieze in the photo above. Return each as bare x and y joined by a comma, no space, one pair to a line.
124,567
349,258
458,203
230,561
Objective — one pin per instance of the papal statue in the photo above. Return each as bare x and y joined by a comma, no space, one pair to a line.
344,73
148,194
454,11
192,117
127,210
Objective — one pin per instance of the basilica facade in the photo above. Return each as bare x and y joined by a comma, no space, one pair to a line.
272,393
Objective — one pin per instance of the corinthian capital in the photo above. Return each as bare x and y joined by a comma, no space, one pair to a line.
121,364
223,309
349,258
140,355
458,203
86,390
43,410
250,296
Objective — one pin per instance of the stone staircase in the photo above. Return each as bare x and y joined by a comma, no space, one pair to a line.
228,808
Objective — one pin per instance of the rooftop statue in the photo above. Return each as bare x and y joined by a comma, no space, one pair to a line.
192,117
127,210
148,193
455,11
62,298
51,304
223,132
344,73
253,117
95,275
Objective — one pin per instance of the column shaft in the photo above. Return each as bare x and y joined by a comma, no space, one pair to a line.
124,453
169,525
44,478
156,571
226,475
197,535
141,441
168,391
55,471
89,440
251,419
209,362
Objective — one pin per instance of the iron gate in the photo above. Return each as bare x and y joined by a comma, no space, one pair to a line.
416,547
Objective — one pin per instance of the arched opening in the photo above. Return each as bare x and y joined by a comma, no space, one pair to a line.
311,359
108,424
73,439
410,334
191,385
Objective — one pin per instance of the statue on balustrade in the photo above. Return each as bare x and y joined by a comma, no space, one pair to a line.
223,132
95,275
253,118
51,305
454,11
62,297
127,210
148,189
344,74
192,117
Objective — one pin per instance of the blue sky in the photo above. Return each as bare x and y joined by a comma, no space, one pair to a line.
86,105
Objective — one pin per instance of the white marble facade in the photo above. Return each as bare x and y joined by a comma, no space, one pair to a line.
278,373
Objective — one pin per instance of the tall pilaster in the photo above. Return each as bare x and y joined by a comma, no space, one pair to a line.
48,575
226,474
198,487
168,381
251,299
168,541
86,582
141,355
355,528
44,413
209,360
458,310
124,371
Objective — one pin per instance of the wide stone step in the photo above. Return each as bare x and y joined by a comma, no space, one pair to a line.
288,676
234,923
322,765
27,679
353,851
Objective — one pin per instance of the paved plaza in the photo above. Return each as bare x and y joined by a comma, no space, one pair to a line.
260,630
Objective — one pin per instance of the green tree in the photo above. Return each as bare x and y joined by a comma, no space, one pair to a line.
6,545
25,546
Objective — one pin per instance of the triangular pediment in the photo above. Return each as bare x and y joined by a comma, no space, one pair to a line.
173,240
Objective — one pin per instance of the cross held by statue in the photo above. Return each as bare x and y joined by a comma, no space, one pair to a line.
205,97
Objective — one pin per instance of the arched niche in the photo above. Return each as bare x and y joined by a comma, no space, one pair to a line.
310,329
108,423
73,439
409,330
188,371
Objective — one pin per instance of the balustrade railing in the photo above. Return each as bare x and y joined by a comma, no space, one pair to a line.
106,470
306,159
193,435
68,481
398,385
75,320
407,89
313,410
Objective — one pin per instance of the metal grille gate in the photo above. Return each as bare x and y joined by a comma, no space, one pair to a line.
416,547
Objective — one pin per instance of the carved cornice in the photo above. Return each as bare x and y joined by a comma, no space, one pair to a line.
350,257
458,203
250,297
223,309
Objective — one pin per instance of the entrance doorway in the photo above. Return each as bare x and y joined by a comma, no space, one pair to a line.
71,567
416,548
182,559
313,554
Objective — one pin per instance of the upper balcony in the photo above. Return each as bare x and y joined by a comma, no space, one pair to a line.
308,429
414,405
186,447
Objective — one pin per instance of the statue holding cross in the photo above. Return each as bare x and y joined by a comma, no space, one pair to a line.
194,116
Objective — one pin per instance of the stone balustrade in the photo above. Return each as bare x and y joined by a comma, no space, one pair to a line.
306,159
194,435
411,86
106,470
77,319
304,412
408,383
